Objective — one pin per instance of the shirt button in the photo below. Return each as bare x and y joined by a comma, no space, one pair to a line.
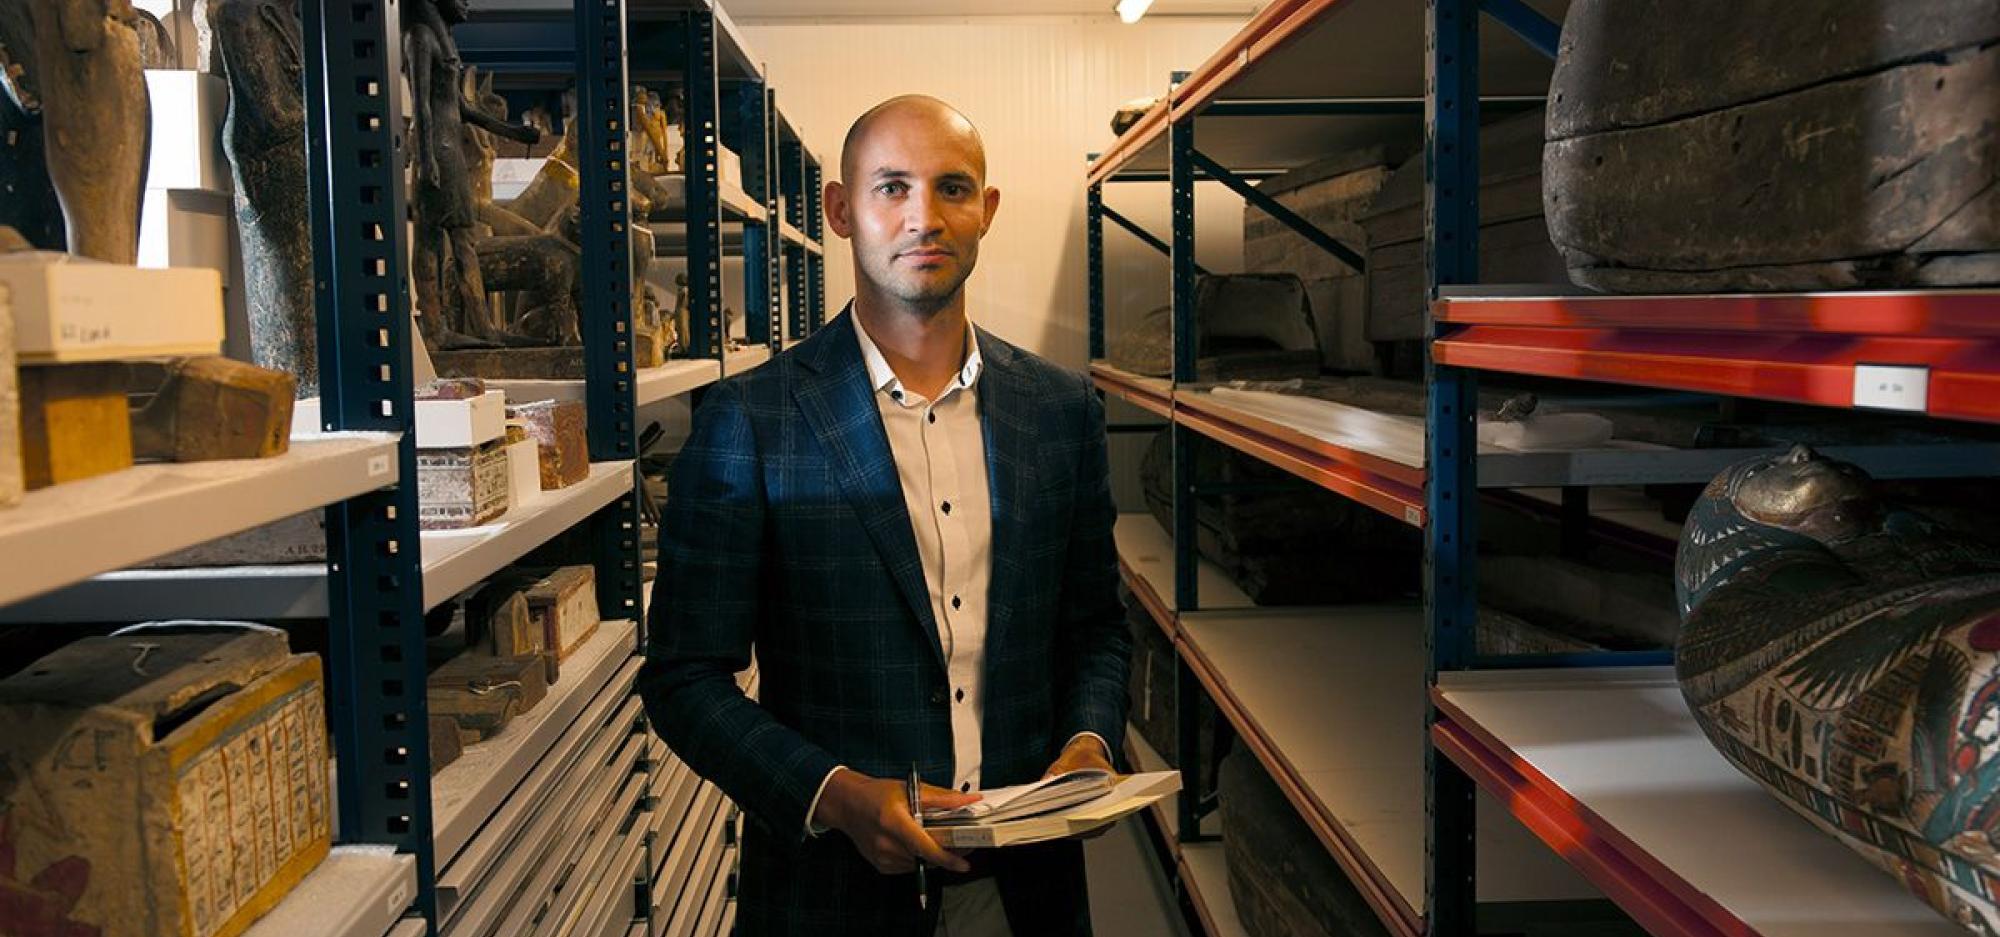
896,394
955,603
947,507
965,788
933,417
960,695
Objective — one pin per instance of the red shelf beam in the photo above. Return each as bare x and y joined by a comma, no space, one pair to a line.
1393,488
1791,347
1134,390
1910,314
1660,901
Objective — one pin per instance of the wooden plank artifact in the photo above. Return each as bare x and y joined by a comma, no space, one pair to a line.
204,409
161,784
481,693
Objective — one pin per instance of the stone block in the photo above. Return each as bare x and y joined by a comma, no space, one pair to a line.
557,428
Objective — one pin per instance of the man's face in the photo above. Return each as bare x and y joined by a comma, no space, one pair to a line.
914,205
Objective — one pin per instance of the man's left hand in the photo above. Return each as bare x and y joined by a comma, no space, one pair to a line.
1084,751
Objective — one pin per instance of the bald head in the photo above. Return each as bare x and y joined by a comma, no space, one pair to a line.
911,117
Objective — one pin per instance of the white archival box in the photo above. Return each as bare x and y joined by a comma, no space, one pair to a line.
441,424
69,309
188,110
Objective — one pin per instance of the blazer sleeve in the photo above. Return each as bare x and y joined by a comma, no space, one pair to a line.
705,610
1094,649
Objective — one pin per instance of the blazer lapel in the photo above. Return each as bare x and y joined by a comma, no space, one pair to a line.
834,395
1007,395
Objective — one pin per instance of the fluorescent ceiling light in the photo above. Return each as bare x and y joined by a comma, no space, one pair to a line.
1130,10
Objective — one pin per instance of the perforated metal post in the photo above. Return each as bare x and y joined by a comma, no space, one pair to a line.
1093,240
815,229
361,292
792,181
747,130
1451,215
1188,690
610,385
704,207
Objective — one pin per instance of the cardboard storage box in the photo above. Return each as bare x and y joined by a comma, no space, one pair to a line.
68,310
171,785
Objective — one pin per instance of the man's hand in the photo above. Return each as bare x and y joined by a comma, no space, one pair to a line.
875,814
1084,751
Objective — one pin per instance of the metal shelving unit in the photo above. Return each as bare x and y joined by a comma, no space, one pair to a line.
565,797
1308,77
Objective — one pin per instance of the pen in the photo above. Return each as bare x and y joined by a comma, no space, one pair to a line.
916,811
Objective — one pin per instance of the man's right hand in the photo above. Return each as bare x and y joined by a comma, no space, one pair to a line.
875,814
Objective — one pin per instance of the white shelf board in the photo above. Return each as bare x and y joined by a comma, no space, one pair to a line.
1623,744
454,560
69,532
1147,548
516,839
1207,873
359,891
411,927
743,359
1339,694
468,790
672,379
793,235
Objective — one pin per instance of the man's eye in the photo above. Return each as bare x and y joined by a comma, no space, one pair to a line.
956,191
892,188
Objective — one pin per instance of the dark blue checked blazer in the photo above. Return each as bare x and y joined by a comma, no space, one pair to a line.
785,533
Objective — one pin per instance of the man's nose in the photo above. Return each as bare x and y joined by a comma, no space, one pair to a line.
924,214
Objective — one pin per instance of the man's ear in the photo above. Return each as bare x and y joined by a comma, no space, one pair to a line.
837,210
992,206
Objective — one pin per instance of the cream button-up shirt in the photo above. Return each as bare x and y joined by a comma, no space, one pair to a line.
939,447
940,453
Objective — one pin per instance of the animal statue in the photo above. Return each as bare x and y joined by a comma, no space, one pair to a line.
75,66
1844,652
262,51
450,294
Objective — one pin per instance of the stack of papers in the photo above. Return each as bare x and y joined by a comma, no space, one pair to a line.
1067,805
1026,800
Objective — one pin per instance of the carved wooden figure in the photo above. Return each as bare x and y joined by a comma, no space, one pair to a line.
262,54
1844,652
76,64
450,293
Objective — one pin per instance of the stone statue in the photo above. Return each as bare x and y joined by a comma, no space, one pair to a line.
1844,652
262,53
450,294
75,65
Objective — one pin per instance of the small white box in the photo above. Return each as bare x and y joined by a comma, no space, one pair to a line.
524,472
68,310
461,424
188,109
441,424
186,228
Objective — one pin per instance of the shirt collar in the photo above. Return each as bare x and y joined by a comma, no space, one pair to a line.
882,377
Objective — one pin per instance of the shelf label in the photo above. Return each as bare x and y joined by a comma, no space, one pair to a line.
378,466
1892,387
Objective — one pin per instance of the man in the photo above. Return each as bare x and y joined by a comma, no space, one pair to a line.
909,520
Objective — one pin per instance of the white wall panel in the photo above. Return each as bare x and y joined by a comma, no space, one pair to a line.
1042,91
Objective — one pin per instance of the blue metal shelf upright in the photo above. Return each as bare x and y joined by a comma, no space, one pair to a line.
1308,77
375,601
